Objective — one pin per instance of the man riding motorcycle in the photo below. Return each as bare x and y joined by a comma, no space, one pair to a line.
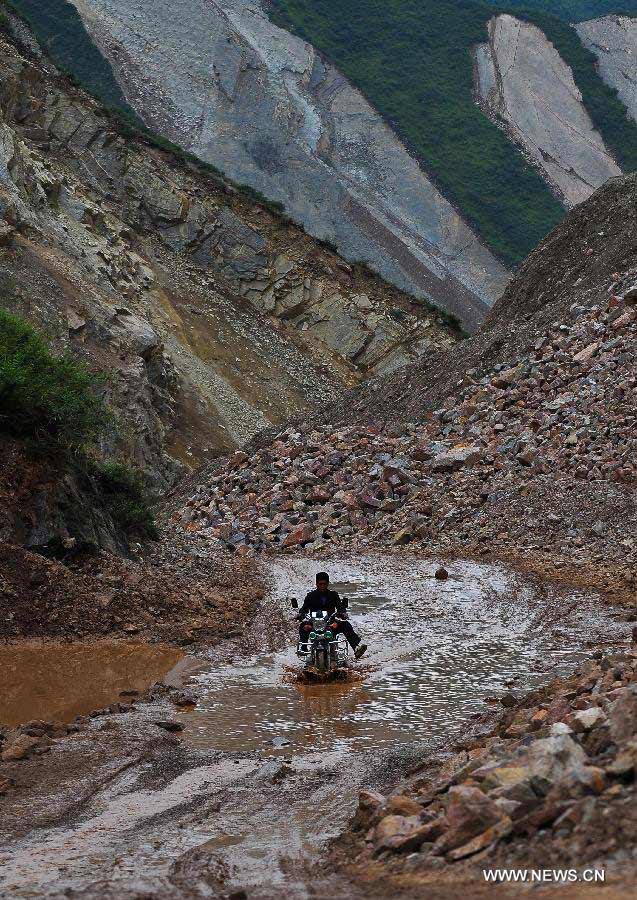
322,598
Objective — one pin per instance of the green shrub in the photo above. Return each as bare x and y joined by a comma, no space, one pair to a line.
125,497
49,401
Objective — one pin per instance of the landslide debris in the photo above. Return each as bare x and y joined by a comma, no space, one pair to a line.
178,592
550,785
537,457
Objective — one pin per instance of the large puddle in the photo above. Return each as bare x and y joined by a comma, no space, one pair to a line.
288,760
438,651
61,681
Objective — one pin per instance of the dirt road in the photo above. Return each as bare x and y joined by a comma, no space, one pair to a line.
266,771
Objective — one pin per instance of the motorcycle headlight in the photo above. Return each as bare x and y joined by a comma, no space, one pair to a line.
312,635
328,635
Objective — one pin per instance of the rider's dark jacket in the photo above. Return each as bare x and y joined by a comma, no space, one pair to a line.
321,600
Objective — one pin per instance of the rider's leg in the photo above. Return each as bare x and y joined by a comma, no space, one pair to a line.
303,633
353,639
347,629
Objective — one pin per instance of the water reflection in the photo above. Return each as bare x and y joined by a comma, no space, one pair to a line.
438,650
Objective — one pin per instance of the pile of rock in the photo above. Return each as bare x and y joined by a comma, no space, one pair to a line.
182,591
557,764
32,738
506,456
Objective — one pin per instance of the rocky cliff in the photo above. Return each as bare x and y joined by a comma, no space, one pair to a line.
613,39
524,85
221,80
212,316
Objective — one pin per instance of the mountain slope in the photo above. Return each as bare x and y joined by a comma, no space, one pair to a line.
269,111
613,39
575,266
524,84
259,104
212,316
262,106
414,63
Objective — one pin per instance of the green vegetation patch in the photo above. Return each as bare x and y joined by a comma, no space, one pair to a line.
48,400
52,404
413,60
62,35
578,10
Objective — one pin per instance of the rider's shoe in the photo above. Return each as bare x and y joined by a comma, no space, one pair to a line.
360,650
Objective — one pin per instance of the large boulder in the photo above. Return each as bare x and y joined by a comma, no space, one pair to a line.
549,759
391,829
622,715
20,748
457,458
469,813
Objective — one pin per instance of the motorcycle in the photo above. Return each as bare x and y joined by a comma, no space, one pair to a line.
325,651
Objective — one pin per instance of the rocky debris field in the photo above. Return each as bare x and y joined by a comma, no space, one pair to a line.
551,785
537,458
177,593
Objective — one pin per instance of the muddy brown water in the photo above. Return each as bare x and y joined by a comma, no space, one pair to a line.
437,649
275,767
60,681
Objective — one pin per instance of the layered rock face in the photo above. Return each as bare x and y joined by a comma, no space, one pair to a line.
213,317
613,39
524,85
221,80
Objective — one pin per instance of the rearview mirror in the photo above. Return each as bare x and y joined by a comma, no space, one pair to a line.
294,602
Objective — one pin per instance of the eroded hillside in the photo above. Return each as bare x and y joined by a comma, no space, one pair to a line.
212,316
269,111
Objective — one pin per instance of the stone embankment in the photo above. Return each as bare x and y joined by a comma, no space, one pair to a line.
537,457
550,785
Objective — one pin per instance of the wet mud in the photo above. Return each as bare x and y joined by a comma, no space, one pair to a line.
266,771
